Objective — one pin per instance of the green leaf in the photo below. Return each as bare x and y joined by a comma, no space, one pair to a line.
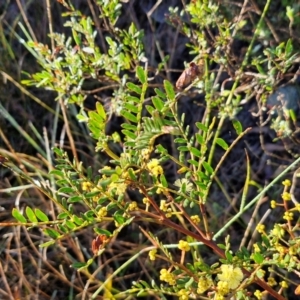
133,87
208,168
245,252
131,174
74,199
141,74
70,224
158,103
189,283
160,93
202,176
101,111
183,148
200,138
77,220
221,246
228,256
102,231
222,143
18,216
266,241
119,218
66,190
260,69
95,119
180,141
289,48
237,126
201,126
111,206
30,215
258,257
129,134
40,215
78,265
131,107
195,151
52,233
92,194
58,152
163,181
133,99
146,285
169,90
62,216
57,173
64,202
63,228
129,126
151,109
194,162
127,115
49,243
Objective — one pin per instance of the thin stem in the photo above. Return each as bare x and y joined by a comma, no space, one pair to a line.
251,203
244,63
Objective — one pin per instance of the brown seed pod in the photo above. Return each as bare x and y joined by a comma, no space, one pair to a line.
99,242
188,76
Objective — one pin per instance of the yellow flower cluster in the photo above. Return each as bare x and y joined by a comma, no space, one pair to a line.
183,295
154,167
163,205
195,219
280,249
258,294
86,186
223,288
168,277
160,189
277,231
260,228
102,212
272,281
286,182
146,201
289,216
286,196
233,276
284,284
152,254
256,248
132,206
204,284
184,246
219,297
119,187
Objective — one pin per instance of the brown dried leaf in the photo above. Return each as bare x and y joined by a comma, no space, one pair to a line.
188,76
